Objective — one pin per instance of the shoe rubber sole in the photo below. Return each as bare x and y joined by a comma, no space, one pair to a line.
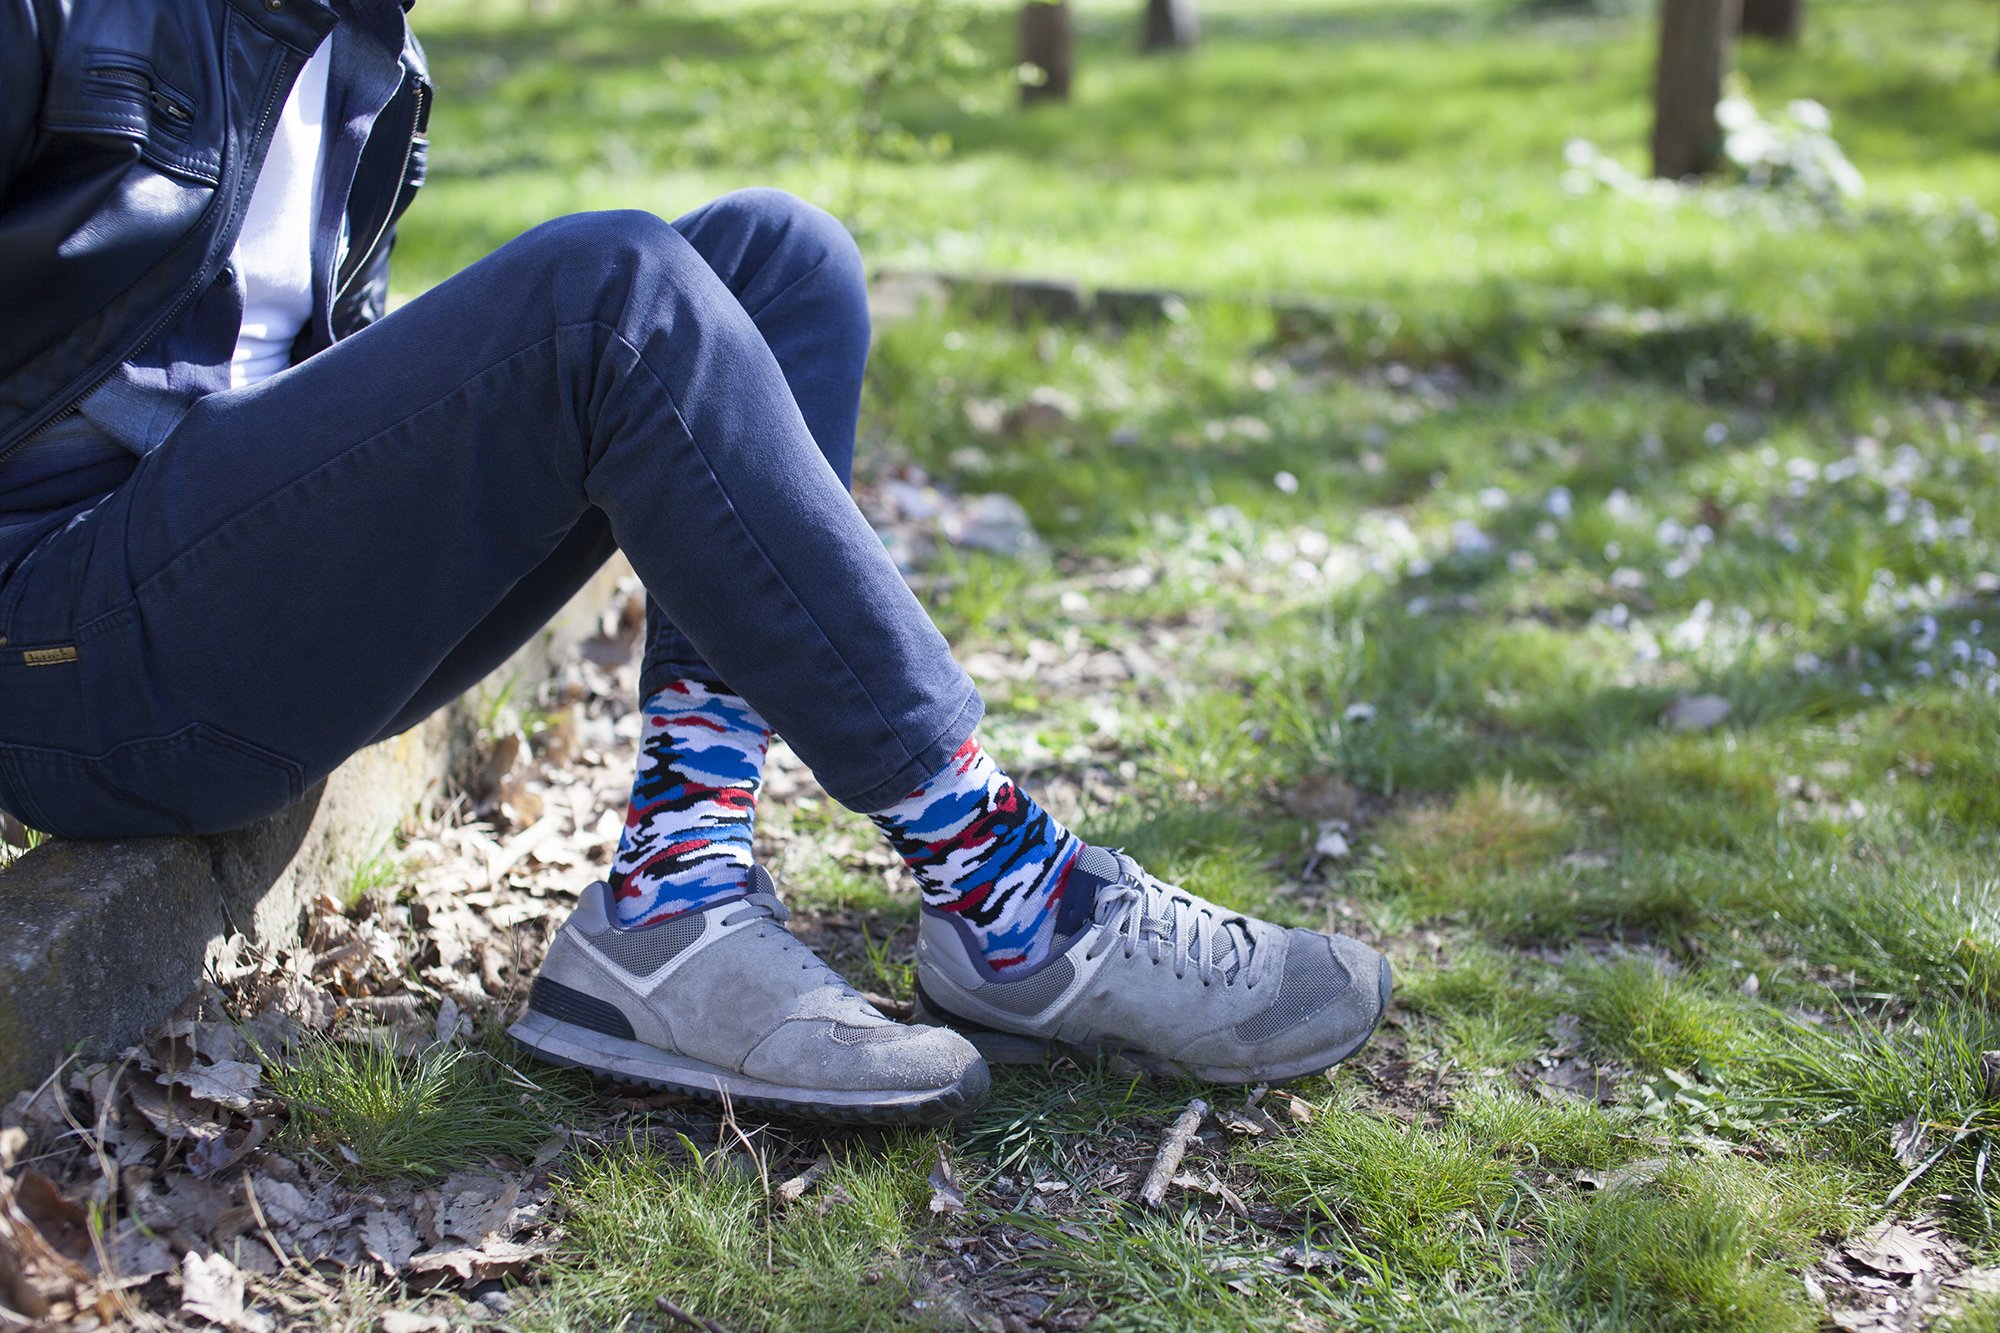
627,1061
1014,1048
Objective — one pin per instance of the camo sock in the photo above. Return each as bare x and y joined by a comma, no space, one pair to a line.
983,850
687,835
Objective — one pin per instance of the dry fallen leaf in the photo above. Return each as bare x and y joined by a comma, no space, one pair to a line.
64,1224
215,1289
481,1263
409,1321
1910,1141
230,1083
946,1195
390,1240
1889,1248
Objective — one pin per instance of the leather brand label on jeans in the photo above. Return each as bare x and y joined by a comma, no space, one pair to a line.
49,656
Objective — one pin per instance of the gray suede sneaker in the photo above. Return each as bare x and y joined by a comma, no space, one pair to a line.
725,1003
1166,977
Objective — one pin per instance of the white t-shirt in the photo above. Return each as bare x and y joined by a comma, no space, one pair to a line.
273,256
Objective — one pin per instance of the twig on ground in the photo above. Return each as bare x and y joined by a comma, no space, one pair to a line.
794,1189
898,1009
1172,1148
673,1311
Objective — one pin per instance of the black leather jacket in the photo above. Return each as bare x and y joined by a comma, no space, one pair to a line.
131,133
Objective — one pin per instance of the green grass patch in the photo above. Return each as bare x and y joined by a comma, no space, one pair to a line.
1421,1200
1637,1011
369,1112
652,1217
1706,1246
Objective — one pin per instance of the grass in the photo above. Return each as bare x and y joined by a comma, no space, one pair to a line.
1424,1202
370,1111
1283,155
1432,566
652,1219
1695,1252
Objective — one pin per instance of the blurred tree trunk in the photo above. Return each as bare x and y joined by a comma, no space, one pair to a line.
1171,25
1694,53
1777,20
1045,51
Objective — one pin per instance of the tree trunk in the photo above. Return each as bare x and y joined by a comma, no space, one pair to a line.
1694,53
1171,25
1045,51
1774,20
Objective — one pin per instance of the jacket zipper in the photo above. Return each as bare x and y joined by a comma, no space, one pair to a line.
138,82
286,66
402,182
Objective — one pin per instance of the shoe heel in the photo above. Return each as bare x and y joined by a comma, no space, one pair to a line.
997,1047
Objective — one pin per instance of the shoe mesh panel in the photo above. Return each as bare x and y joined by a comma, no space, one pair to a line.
645,951
1313,979
854,1034
1098,863
1031,994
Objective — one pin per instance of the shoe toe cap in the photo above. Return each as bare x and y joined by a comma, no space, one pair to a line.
885,1057
1329,1001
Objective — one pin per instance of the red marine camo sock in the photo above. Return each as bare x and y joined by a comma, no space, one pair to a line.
694,805
982,850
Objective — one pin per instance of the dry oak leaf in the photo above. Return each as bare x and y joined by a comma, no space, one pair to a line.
1891,1249
482,1263
230,1083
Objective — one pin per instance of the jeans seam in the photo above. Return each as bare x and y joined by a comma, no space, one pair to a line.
744,526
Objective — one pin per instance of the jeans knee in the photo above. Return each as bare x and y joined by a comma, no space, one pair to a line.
584,249
809,239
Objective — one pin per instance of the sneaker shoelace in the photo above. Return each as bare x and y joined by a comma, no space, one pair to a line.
766,905
1169,922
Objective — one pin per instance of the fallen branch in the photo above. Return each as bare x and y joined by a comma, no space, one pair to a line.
1172,1148
673,1311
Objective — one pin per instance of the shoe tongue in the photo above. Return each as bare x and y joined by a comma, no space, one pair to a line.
1228,959
1094,869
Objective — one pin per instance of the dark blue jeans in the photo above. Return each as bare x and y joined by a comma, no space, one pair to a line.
319,561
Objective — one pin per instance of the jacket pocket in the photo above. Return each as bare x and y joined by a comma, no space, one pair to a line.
199,779
120,94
